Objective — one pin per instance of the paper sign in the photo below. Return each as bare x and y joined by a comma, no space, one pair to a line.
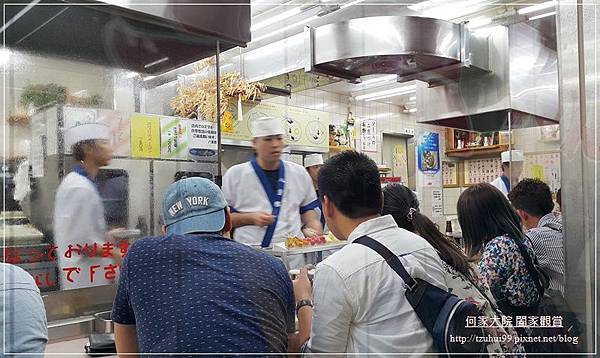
437,203
120,136
202,139
173,138
537,171
145,136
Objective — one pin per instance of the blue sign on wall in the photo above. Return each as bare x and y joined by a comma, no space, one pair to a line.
429,153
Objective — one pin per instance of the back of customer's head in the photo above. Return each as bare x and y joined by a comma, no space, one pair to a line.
484,213
350,180
195,205
400,202
532,196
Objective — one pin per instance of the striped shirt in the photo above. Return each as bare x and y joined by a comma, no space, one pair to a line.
547,239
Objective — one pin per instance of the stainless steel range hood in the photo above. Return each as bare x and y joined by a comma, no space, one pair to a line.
522,87
411,47
151,38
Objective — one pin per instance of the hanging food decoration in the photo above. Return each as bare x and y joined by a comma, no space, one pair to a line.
201,96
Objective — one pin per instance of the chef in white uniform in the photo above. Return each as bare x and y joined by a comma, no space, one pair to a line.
270,199
79,212
512,167
312,163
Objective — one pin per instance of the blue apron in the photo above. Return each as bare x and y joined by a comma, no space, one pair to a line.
506,182
274,198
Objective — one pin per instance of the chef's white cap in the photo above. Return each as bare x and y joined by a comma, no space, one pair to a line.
85,131
313,159
266,126
517,156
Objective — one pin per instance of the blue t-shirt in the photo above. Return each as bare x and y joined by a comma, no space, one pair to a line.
201,293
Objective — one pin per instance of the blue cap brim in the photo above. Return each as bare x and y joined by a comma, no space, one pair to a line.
213,222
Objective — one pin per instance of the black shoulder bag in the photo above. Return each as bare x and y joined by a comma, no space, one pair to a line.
442,313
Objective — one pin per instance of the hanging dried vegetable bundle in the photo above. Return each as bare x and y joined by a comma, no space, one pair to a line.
201,96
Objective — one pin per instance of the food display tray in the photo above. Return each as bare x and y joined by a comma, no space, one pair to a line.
278,250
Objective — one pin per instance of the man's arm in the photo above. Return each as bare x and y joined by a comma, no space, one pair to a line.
256,218
332,314
126,340
310,220
302,291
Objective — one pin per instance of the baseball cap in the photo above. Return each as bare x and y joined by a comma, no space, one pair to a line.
517,156
266,126
193,205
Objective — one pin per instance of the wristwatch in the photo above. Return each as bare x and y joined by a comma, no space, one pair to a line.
303,303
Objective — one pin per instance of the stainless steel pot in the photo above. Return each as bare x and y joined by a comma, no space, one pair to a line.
103,323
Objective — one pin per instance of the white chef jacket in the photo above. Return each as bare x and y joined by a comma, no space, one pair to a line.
359,301
79,219
245,193
499,183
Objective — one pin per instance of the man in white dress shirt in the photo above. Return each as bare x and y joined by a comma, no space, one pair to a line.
358,303
270,199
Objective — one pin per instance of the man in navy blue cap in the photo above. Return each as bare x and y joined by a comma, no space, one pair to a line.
195,291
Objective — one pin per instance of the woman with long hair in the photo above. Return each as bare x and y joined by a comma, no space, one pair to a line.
461,279
491,230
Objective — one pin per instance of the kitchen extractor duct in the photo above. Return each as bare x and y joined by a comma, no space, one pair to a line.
521,88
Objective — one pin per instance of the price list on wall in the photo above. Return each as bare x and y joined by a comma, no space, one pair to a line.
482,170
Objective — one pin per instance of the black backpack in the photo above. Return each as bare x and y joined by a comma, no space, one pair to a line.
442,313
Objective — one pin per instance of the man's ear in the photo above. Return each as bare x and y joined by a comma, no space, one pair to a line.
228,225
523,214
163,230
328,207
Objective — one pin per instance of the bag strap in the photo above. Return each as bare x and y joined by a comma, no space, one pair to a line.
390,258
530,267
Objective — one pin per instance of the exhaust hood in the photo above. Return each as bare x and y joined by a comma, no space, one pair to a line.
149,39
408,46
522,87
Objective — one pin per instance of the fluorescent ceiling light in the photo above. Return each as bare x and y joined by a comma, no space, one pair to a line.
273,19
412,110
148,78
131,75
283,29
542,6
351,3
412,98
543,15
154,63
479,22
378,79
387,93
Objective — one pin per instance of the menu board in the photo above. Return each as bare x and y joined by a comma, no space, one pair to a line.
145,136
303,127
482,170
